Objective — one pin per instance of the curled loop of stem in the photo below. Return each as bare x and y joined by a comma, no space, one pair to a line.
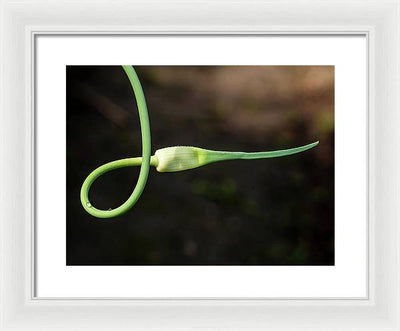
143,161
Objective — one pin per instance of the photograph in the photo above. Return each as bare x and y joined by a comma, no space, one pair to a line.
200,165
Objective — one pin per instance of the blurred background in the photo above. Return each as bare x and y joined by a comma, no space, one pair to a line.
262,212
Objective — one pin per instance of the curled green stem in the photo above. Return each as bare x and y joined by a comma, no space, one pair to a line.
144,160
169,159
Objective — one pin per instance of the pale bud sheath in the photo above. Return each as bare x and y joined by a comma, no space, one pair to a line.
179,158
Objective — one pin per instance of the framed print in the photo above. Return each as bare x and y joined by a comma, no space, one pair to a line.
198,172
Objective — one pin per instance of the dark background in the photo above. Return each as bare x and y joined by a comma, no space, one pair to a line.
262,212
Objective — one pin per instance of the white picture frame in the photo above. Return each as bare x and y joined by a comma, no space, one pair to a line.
22,21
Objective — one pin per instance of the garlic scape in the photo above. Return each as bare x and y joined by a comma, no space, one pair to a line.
168,159
179,158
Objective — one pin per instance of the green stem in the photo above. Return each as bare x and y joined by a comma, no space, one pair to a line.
216,156
169,159
144,161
